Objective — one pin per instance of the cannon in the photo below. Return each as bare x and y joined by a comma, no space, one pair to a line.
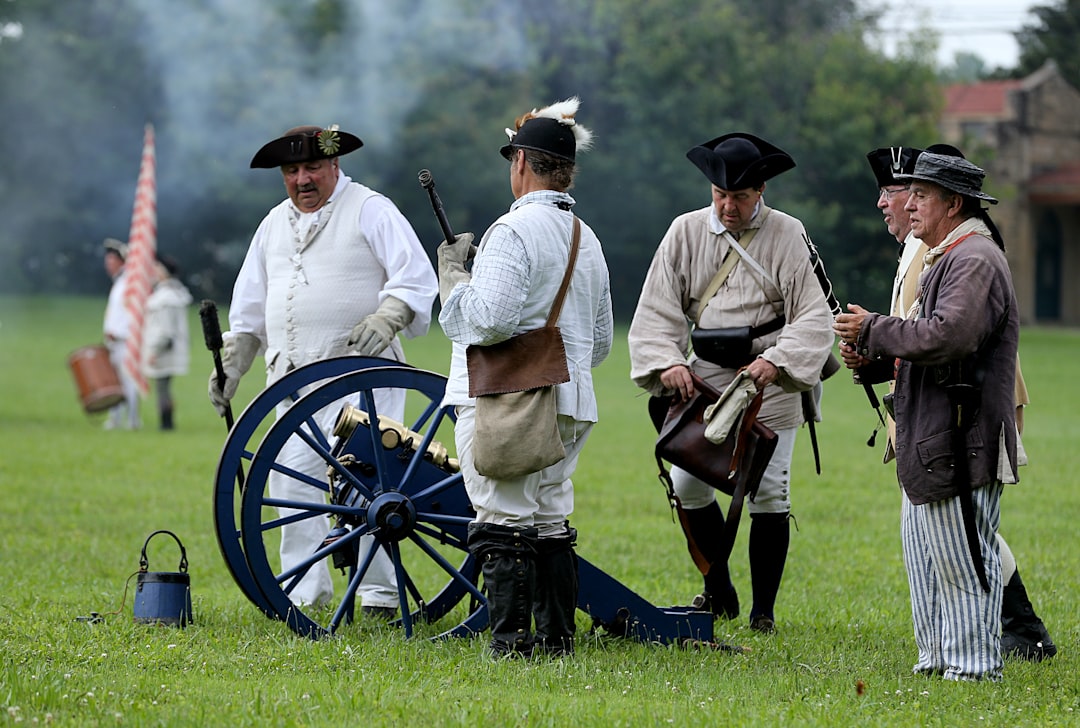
397,482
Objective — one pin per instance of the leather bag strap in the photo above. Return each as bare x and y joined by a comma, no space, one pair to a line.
556,307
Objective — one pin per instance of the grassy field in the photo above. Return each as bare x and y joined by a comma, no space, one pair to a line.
78,503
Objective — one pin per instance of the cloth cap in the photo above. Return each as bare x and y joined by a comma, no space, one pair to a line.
305,144
738,160
117,246
888,162
953,173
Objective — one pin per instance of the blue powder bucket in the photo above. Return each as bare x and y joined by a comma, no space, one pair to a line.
163,597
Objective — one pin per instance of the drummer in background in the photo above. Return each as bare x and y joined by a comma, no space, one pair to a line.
117,322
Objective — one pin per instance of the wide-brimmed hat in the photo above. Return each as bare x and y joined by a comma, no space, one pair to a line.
887,162
738,160
116,246
552,130
305,144
953,173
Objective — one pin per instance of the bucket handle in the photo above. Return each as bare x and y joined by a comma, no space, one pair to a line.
144,564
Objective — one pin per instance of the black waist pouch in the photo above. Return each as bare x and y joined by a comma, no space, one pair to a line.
730,347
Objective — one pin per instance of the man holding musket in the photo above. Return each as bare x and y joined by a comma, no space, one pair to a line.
955,363
521,534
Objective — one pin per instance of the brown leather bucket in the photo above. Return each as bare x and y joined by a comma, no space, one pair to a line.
99,386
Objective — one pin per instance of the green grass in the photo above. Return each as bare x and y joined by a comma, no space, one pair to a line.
79,502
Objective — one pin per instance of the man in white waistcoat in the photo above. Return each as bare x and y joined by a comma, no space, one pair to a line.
335,269
521,534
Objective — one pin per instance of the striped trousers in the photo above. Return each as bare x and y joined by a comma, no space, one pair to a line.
957,624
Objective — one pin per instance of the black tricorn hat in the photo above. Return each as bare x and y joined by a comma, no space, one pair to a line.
888,162
738,160
305,144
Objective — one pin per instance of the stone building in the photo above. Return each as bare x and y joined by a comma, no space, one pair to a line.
1026,134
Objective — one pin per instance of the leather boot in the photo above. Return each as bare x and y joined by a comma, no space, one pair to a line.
507,558
707,529
770,534
555,598
1023,634
167,418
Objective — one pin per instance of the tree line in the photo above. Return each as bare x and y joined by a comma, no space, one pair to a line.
431,84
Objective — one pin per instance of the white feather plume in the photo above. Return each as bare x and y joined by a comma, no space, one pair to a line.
562,112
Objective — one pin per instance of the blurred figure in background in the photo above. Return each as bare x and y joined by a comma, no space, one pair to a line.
166,341
117,324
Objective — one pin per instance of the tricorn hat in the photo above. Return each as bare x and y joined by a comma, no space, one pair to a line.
953,173
738,160
888,162
552,130
305,144
116,246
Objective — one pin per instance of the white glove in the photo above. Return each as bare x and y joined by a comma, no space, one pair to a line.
452,259
375,333
236,359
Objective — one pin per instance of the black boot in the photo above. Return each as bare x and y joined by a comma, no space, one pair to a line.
167,419
770,534
707,529
1023,634
555,598
507,560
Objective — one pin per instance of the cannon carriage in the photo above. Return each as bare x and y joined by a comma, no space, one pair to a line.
396,482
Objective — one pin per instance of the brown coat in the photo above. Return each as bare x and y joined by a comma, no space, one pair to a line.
964,296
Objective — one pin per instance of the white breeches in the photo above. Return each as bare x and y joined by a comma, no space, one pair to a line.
543,500
300,539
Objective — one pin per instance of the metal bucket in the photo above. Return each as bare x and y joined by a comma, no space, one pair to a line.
163,597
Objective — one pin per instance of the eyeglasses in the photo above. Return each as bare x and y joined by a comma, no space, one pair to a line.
888,194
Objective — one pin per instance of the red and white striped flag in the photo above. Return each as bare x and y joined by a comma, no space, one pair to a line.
142,251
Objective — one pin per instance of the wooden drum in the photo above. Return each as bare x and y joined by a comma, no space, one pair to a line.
99,386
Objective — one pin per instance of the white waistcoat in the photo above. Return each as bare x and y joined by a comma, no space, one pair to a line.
319,288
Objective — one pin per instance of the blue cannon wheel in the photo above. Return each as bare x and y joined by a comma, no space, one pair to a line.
396,482
239,449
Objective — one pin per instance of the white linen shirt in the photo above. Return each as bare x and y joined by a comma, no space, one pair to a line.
514,282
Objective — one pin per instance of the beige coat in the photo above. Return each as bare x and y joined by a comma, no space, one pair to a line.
686,261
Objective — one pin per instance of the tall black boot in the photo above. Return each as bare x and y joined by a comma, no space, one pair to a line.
770,534
555,598
1023,634
707,529
507,560
167,418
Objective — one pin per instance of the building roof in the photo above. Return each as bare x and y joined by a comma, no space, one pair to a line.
985,98
1060,185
